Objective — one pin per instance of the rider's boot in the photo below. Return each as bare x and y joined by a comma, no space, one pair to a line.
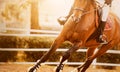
102,37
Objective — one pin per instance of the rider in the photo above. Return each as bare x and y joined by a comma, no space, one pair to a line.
105,7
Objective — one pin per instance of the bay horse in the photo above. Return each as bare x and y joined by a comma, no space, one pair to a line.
82,30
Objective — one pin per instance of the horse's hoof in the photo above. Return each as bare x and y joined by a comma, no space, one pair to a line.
31,69
58,70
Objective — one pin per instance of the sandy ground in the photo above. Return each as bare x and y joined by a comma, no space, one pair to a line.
45,68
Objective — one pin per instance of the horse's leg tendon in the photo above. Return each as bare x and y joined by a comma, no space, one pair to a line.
66,56
89,53
53,48
86,65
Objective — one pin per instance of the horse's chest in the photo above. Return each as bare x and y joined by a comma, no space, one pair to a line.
73,36
77,35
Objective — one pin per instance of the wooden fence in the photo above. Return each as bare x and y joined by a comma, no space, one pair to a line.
53,34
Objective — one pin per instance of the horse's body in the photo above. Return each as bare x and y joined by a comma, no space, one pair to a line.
82,31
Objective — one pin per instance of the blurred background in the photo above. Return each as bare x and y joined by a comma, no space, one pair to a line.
32,24
33,14
37,14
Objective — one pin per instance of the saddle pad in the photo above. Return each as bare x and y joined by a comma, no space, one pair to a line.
109,23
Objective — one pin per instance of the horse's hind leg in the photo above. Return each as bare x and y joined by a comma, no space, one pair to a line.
89,53
67,55
100,52
53,48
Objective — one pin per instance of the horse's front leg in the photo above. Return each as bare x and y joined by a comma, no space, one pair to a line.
67,55
45,57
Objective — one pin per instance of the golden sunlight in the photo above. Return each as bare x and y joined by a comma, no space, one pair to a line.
115,7
50,10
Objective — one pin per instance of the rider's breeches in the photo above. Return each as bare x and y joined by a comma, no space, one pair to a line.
105,12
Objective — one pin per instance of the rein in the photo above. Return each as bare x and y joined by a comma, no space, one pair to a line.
76,19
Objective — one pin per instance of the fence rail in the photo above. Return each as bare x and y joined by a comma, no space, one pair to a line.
51,34
55,63
34,30
47,49
42,32
37,35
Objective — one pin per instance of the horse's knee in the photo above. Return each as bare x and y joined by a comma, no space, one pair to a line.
66,55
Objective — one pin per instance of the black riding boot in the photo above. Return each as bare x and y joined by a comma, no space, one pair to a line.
102,37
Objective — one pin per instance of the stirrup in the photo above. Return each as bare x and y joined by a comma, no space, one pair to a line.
102,39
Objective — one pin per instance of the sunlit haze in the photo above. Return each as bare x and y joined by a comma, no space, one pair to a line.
50,10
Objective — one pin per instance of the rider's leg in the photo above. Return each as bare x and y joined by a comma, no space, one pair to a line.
105,12
102,37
